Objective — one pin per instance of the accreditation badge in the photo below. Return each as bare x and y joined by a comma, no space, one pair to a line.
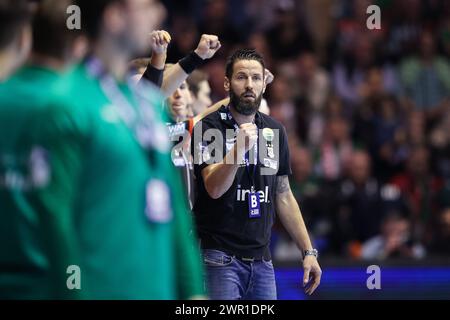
269,163
254,204
158,207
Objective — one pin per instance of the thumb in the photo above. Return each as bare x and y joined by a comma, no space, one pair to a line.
217,46
306,275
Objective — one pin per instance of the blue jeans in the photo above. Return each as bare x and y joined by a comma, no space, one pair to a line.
228,278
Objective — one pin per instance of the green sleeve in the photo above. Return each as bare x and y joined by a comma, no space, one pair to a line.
58,135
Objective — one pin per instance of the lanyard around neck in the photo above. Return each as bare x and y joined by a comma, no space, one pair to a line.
251,176
140,119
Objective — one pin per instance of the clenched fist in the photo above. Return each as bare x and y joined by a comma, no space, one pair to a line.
208,46
159,40
246,138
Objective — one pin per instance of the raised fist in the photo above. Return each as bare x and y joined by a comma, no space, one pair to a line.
247,137
208,46
159,40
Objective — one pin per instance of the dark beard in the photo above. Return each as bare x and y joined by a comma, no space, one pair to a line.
243,107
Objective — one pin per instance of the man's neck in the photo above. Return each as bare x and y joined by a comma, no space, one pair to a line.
114,60
178,119
48,62
241,118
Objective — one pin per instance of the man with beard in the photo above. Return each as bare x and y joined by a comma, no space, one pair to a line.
241,163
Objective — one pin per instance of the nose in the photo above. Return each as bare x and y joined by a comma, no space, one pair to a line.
249,83
177,94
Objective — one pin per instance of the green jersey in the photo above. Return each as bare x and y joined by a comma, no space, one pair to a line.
26,270
101,191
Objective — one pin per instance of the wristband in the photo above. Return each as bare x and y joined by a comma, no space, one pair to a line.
154,75
191,62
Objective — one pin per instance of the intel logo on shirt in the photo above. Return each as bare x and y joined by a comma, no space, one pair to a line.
263,195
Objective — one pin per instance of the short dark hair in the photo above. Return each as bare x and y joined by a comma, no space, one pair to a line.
14,16
92,15
242,54
51,37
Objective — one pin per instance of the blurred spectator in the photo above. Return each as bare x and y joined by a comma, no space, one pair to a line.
215,20
336,149
200,91
405,28
289,36
393,242
262,13
185,37
320,20
351,72
441,240
416,126
281,103
387,140
306,188
362,201
426,78
313,81
440,146
444,35
312,87
317,121
421,190
259,42
216,70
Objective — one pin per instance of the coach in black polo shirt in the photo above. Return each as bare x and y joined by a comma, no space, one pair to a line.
241,164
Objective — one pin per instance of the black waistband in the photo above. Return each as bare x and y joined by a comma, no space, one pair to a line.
265,255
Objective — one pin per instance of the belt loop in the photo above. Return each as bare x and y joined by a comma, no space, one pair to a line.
248,259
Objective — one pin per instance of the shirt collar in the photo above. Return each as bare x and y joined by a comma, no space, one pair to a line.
224,117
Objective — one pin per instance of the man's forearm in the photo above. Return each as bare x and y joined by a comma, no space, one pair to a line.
291,217
158,60
219,177
173,78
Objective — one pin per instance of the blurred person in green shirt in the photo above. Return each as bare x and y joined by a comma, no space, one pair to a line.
96,188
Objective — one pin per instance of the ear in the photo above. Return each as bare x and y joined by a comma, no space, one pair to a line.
264,81
80,47
226,84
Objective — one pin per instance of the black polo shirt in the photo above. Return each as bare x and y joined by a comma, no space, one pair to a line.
224,223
